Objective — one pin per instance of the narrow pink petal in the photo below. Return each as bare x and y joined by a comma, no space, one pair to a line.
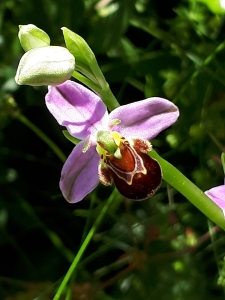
217,195
145,119
79,175
77,108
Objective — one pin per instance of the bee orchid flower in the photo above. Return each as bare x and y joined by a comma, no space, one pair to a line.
114,146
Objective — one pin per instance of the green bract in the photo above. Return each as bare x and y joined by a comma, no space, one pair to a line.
50,65
86,62
32,37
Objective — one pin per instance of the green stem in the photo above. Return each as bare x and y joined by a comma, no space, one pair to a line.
88,220
84,245
105,93
196,196
108,98
42,136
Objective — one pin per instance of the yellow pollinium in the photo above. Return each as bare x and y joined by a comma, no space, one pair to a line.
116,137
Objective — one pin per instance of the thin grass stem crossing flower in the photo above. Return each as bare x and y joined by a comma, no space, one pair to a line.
114,146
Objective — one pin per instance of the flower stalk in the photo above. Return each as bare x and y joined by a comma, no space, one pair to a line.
190,191
104,93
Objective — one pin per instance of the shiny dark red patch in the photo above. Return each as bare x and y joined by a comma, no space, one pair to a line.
136,175
143,186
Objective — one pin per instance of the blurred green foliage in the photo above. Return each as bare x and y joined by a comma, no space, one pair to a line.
162,248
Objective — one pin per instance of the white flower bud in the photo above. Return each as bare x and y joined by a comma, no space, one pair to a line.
32,37
50,65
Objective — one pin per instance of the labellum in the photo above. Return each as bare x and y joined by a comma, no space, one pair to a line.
135,174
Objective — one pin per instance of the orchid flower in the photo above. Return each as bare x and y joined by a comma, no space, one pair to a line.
114,146
217,195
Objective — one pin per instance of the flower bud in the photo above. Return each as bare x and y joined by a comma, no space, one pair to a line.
32,37
50,65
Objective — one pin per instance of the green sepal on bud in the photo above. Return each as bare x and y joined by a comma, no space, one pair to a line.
32,37
51,65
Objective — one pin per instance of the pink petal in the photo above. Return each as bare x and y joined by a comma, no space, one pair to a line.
217,195
79,175
77,108
145,119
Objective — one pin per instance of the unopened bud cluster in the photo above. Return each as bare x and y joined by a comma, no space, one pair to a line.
42,64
